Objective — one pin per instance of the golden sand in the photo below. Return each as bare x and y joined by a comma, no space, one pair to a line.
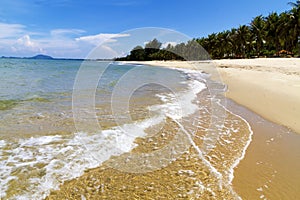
267,86
186,177
269,169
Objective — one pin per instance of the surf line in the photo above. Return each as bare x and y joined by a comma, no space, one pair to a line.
217,174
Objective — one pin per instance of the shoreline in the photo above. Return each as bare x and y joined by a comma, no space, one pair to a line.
190,175
259,172
267,86
271,161
262,154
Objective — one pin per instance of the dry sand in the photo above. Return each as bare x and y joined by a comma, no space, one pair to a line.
267,86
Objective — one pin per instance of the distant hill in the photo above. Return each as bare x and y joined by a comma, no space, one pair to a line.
46,57
40,56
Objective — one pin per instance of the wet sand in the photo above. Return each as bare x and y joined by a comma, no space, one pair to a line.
185,176
267,86
268,171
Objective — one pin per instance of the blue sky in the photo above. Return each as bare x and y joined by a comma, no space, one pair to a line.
71,28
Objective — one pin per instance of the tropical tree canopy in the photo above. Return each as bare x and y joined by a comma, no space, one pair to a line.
268,36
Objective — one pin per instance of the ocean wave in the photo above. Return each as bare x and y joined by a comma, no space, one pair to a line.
34,166
41,164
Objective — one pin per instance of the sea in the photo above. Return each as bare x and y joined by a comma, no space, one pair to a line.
60,118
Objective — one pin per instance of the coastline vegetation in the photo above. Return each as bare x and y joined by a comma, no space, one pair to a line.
265,36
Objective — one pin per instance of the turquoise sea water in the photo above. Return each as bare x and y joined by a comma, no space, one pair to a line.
61,117
22,79
38,135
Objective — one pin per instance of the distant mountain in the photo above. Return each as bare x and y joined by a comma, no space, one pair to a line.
9,57
40,56
46,57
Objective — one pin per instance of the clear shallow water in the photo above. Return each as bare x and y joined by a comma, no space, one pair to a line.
23,79
40,147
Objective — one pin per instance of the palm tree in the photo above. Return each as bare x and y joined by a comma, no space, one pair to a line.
242,36
137,53
225,43
295,21
232,40
152,47
212,45
257,29
295,4
272,31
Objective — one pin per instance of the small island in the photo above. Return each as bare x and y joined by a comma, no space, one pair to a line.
41,57
38,57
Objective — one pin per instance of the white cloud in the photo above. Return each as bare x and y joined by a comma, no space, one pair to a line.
64,32
25,44
101,38
11,30
16,40
25,41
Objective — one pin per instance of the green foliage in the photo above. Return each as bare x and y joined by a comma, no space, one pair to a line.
138,53
263,37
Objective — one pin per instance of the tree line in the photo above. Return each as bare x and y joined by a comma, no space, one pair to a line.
265,36
153,51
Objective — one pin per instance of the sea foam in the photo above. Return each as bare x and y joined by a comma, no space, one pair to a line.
62,158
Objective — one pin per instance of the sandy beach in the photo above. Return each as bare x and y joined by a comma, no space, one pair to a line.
268,86
266,91
122,101
255,156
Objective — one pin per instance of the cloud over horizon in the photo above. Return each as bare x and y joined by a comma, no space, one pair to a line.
101,38
11,30
25,43
16,40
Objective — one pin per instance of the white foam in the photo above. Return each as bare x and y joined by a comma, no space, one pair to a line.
64,159
40,140
2,143
259,189
181,105
200,185
67,157
188,172
196,75
237,161
217,174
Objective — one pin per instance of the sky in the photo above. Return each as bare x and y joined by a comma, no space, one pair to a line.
72,28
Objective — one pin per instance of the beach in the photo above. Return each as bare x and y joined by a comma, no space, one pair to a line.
211,130
268,86
121,100
268,167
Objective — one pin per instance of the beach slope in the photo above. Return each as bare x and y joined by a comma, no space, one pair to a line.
267,86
